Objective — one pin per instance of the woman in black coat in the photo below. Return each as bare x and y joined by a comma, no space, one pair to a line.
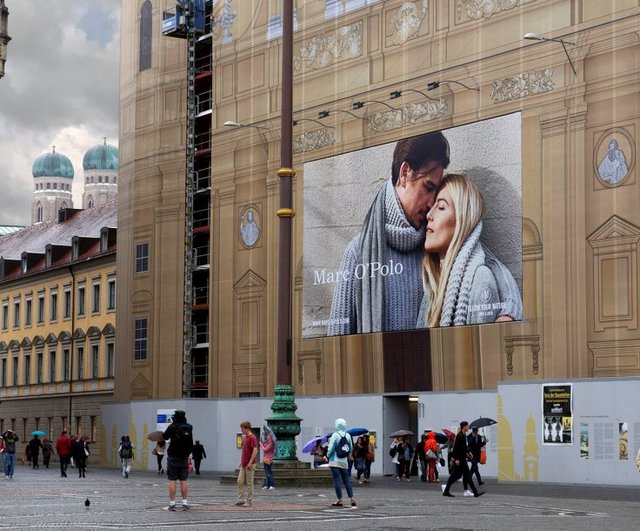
80,453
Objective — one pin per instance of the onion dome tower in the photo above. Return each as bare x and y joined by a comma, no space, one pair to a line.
100,166
53,176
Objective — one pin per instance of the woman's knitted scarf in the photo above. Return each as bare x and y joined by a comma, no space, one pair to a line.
385,224
456,297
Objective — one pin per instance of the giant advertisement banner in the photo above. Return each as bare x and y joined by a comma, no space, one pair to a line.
422,232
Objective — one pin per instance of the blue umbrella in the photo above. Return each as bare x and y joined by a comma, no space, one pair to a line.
356,432
312,444
39,433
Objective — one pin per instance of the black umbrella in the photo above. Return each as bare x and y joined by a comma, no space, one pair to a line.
401,433
441,438
482,422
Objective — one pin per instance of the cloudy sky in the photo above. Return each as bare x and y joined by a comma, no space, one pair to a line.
60,88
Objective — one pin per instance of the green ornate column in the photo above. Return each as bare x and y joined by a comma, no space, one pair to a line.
284,422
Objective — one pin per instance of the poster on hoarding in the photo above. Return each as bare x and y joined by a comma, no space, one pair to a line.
418,233
163,418
557,416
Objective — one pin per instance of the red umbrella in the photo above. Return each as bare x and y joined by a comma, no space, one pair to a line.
449,433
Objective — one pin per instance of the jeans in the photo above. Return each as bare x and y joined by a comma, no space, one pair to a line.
474,470
341,474
268,475
64,463
9,463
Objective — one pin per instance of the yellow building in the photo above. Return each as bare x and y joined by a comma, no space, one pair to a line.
580,224
57,324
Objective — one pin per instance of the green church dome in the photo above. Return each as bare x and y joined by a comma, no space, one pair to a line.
101,157
53,165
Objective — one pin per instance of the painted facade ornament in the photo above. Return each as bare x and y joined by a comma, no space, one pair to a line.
407,21
477,9
249,229
613,167
324,50
314,139
407,115
522,85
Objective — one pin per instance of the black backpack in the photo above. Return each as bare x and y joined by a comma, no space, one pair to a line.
126,450
343,447
181,440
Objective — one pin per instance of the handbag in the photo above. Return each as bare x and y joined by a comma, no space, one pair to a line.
154,451
483,456
431,454
370,456
361,463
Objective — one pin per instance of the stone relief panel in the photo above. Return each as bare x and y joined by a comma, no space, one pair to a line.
313,139
327,49
477,9
614,157
615,274
522,85
405,23
407,115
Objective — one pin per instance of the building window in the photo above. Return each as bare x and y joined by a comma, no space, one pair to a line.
140,343
67,304
94,428
39,368
28,310
142,258
110,359
52,366
66,360
27,369
80,353
111,294
16,314
145,36
15,371
96,298
81,300
94,361
5,316
40,308
54,307
3,374
39,212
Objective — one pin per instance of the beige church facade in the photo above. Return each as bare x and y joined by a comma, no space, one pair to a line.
580,190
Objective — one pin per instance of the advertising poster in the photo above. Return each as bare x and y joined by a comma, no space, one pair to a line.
163,418
378,229
584,440
623,441
557,414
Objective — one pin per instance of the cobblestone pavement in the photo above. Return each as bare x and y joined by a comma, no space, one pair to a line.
42,499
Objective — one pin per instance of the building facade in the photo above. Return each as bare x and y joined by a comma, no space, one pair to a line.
580,223
4,35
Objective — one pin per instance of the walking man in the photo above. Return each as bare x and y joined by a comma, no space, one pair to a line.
460,468
180,435
475,442
247,465
198,455
125,451
10,439
64,449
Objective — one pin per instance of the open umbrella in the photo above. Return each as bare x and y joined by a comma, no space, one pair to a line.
312,444
449,433
356,432
155,436
400,433
441,438
40,433
482,422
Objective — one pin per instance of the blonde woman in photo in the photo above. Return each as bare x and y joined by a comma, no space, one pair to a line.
464,282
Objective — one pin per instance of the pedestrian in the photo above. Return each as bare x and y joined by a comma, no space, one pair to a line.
405,458
80,454
318,454
370,457
180,435
247,465
422,459
360,458
431,451
268,445
394,451
125,451
460,469
198,455
158,451
10,439
47,450
34,449
340,448
64,449
475,442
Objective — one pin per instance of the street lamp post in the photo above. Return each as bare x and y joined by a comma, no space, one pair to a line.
284,421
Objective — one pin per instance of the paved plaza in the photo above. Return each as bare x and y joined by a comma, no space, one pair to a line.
42,499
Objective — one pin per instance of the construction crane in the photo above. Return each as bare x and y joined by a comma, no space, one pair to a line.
191,20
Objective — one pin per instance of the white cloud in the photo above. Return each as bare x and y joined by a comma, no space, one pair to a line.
60,88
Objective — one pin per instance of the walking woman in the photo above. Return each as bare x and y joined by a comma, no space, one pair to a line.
158,451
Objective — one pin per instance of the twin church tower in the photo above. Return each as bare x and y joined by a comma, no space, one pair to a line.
53,175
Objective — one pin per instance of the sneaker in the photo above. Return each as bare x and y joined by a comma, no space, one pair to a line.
172,508
265,487
443,487
448,494
478,494
272,488
126,474
239,503
407,480
468,493
247,504
185,507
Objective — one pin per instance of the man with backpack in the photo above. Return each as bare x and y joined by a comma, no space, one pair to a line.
125,450
340,448
180,435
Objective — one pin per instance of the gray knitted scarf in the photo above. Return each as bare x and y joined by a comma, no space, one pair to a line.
456,297
385,224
